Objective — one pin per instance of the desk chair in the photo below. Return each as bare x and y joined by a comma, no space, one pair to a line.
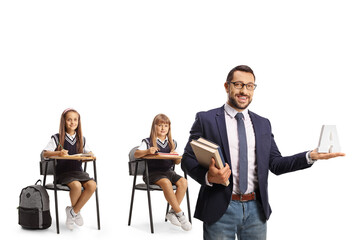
137,167
47,167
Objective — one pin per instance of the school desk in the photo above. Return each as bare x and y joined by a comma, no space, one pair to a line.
84,159
176,158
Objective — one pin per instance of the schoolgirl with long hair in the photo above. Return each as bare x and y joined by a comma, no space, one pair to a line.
70,141
160,171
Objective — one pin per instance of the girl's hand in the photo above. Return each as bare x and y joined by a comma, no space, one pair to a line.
153,150
63,152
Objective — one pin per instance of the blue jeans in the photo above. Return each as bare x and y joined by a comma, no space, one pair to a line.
245,220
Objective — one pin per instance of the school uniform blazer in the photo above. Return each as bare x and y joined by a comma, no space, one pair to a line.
213,201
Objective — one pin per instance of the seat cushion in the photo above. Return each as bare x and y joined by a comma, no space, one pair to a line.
58,187
142,186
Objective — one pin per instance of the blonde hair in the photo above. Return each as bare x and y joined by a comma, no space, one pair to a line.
62,131
161,118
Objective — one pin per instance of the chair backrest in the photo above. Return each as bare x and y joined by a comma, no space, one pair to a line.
50,166
132,163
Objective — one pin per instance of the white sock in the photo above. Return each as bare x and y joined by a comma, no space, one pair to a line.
179,214
72,212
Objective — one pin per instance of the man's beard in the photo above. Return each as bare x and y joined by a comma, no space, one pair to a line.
235,104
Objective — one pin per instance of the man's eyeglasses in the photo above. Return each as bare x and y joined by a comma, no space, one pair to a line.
240,85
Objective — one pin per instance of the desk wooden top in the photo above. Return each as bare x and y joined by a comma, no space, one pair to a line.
162,156
72,157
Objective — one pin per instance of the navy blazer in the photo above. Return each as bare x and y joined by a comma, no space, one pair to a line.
213,201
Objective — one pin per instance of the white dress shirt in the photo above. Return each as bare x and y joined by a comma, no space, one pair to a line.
233,139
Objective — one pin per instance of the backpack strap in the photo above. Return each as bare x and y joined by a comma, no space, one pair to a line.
175,143
147,141
56,139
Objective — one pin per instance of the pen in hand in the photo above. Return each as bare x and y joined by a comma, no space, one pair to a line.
59,144
63,152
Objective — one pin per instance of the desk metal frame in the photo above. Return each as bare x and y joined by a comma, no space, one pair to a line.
55,188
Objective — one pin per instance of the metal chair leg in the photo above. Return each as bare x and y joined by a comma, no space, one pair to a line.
97,208
149,199
96,195
56,200
188,200
56,211
167,210
133,194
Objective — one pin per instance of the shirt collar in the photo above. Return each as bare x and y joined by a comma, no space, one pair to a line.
71,136
163,142
230,111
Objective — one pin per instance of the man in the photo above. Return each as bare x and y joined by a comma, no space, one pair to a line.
242,208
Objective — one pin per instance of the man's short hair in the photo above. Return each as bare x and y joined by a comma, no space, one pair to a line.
242,68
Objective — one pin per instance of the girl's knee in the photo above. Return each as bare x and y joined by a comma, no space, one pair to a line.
74,185
90,185
164,182
182,182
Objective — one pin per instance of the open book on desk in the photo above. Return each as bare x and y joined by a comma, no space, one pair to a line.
204,150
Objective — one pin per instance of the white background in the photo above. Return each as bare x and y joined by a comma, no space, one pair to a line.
119,63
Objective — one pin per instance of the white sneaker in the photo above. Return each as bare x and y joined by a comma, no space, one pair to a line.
171,216
185,224
79,220
69,218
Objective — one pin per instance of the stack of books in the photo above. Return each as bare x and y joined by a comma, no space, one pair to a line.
205,150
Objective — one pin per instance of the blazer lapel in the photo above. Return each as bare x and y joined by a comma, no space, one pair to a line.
258,142
255,123
220,121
